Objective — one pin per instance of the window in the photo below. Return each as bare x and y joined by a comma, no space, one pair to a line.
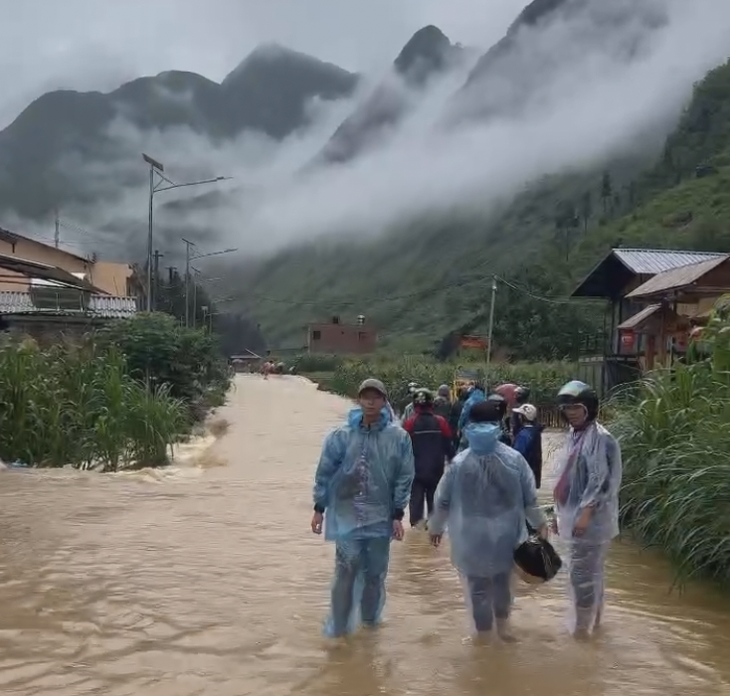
362,335
316,335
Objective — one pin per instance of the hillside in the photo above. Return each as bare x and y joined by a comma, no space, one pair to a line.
434,277
41,150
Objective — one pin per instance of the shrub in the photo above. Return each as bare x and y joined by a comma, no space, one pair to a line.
184,361
676,455
78,406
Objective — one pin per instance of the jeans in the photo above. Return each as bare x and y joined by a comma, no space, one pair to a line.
357,561
419,491
490,598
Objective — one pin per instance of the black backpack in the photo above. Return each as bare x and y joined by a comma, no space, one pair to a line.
537,560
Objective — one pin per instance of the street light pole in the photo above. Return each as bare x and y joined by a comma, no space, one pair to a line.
188,258
154,166
158,168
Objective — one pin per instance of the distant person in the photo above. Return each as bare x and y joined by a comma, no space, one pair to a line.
442,402
484,499
528,441
409,408
521,397
586,502
361,489
432,447
456,409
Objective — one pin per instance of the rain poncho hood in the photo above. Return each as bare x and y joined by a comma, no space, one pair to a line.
475,397
482,438
589,474
483,500
364,475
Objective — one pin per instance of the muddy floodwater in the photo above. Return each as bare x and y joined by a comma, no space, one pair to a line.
205,579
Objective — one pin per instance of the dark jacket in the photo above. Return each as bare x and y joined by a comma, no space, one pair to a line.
528,443
456,409
442,407
432,444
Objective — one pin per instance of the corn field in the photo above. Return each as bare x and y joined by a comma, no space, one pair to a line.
74,406
543,379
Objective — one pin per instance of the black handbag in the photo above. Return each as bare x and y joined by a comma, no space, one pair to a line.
537,561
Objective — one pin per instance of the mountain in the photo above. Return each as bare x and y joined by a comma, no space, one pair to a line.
268,92
427,54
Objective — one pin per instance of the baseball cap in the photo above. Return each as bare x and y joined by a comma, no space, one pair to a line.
527,410
375,384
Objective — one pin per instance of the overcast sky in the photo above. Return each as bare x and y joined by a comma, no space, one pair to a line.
97,44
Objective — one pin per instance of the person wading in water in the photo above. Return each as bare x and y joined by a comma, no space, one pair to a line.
361,489
432,447
586,502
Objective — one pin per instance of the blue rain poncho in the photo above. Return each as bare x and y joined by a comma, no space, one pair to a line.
484,499
363,478
475,397
589,476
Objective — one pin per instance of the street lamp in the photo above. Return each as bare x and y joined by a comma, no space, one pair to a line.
188,258
157,168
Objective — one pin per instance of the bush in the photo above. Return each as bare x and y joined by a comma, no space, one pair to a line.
676,454
187,362
544,379
71,405
316,363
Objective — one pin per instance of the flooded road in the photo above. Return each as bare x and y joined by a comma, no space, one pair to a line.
205,579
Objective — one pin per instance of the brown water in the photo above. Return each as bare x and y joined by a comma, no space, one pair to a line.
206,580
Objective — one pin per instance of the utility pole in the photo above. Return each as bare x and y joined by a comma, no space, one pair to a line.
195,296
491,322
57,232
188,247
156,279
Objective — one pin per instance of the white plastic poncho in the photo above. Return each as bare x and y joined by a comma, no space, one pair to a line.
484,498
589,476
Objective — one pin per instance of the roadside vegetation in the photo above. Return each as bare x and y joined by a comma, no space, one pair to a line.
119,400
676,455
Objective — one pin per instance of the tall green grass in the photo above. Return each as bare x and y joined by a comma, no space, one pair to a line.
675,441
76,406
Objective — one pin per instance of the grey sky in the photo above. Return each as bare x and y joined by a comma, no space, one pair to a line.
97,44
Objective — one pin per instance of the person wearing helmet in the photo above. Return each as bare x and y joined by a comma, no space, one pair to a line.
502,406
442,402
485,499
528,440
586,501
521,396
432,447
476,393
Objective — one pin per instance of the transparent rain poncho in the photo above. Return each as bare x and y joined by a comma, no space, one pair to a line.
589,476
364,475
483,501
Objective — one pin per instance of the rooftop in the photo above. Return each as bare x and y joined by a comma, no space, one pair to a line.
100,306
677,278
620,265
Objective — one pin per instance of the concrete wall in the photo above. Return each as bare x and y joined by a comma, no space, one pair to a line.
341,339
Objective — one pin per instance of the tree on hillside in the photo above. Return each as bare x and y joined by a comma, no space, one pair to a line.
586,210
606,192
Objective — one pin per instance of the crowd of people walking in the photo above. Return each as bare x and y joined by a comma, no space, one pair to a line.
468,469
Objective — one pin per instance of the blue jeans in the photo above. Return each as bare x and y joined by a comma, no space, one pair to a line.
361,566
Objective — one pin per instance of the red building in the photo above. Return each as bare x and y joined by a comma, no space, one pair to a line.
336,338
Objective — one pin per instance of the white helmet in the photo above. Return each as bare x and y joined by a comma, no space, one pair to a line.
527,410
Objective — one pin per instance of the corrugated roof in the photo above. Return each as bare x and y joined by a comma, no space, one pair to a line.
653,261
639,317
677,278
100,306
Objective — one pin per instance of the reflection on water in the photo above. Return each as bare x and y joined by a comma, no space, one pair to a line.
205,580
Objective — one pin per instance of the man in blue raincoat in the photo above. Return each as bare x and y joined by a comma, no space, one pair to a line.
476,394
361,490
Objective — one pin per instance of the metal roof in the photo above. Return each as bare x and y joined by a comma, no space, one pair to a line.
608,277
100,306
44,271
677,278
639,317
653,261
